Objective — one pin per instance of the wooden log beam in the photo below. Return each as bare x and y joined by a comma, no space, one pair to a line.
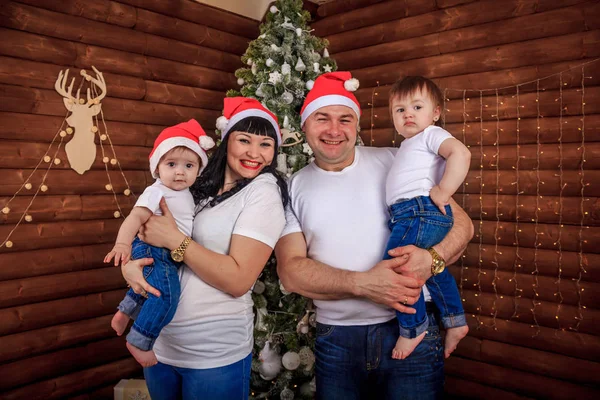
506,80
61,52
572,344
567,47
43,22
547,210
201,14
546,314
485,108
19,154
63,386
546,237
457,388
62,362
375,14
46,102
52,338
42,315
525,383
526,359
550,183
550,132
52,287
167,93
549,262
533,26
52,261
62,182
14,71
60,234
43,128
341,6
103,393
101,10
531,286
446,20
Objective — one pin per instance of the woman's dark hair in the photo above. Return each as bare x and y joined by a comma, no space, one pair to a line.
212,178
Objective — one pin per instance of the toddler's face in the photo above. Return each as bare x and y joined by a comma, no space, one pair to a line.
178,169
413,113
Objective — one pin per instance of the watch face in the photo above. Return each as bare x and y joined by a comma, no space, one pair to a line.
176,257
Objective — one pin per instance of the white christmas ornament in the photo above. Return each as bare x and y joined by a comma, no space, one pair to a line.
264,35
351,84
300,65
249,62
327,68
282,163
286,69
287,24
287,97
240,81
310,84
260,325
289,138
275,77
271,362
307,357
325,53
291,360
269,62
259,91
274,47
306,149
286,394
299,32
254,69
259,287
286,122
274,10
316,67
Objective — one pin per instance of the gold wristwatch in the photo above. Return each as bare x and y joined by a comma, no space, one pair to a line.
438,264
177,254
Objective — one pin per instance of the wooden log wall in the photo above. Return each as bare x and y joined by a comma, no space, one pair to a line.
164,63
530,278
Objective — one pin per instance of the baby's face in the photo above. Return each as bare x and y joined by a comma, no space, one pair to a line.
413,113
178,169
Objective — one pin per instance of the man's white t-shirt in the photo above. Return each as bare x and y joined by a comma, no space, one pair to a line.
211,328
344,217
180,203
417,166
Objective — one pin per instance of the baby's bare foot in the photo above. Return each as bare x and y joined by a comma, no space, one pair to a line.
405,346
453,336
119,322
145,358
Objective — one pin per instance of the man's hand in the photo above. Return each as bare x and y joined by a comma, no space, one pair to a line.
413,262
383,285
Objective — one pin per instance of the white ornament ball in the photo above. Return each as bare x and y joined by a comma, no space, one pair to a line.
269,62
287,97
254,69
259,287
240,81
274,10
307,357
264,35
249,62
299,32
274,47
310,84
291,360
286,394
286,69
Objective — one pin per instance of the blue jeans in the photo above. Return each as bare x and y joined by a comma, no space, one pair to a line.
355,362
419,222
154,313
231,382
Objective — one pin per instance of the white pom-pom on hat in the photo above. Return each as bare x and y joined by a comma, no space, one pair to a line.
206,142
310,84
351,85
222,123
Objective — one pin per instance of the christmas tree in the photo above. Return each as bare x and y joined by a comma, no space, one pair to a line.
282,64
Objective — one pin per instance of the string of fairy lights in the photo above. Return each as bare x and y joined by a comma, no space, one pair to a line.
54,160
480,285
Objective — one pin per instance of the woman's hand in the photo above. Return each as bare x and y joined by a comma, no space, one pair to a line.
132,272
161,231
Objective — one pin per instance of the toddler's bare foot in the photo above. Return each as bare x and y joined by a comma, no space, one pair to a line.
453,336
145,358
119,322
405,346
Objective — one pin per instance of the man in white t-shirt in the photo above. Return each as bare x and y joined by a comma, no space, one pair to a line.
331,249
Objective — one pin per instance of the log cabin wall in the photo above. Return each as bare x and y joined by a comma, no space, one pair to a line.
164,62
530,278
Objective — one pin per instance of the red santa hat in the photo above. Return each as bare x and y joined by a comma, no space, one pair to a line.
331,89
236,109
187,134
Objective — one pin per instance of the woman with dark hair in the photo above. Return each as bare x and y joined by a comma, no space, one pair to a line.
206,350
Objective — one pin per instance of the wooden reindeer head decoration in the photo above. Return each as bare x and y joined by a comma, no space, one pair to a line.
81,149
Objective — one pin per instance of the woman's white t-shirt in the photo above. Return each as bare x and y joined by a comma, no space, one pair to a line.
211,328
